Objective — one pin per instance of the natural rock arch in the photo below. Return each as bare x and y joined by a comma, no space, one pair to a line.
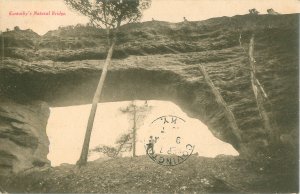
73,83
168,71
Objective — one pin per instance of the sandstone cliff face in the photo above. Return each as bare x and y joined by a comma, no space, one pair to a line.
23,140
160,60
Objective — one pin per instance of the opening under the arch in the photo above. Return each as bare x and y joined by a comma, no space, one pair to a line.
66,129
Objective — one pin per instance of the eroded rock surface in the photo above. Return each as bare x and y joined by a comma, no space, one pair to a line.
23,140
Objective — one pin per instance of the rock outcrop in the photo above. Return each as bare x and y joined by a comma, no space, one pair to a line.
23,139
160,60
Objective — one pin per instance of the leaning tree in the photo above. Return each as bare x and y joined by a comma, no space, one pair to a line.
109,15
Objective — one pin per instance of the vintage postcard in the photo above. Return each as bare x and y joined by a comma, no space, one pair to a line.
149,96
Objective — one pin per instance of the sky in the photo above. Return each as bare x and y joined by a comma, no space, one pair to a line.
165,10
66,129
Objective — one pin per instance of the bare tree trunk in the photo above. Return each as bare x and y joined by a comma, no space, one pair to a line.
228,113
108,37
85,148
134,132
260,96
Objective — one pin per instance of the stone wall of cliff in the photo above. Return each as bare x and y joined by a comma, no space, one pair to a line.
23,139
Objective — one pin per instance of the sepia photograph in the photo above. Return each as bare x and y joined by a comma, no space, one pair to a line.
149,96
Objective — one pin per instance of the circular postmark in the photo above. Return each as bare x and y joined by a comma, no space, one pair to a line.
168,143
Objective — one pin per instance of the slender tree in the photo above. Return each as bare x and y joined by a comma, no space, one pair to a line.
219,99
127,141
261,98
109,15
138,114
